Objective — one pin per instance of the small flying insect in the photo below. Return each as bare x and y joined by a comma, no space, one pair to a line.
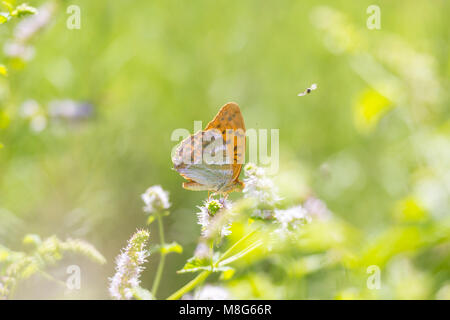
308,90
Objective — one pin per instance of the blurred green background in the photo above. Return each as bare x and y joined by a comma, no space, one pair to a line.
372,141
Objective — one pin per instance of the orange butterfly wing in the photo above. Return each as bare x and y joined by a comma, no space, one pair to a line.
230,117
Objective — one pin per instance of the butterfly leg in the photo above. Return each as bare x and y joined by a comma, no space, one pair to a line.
223,197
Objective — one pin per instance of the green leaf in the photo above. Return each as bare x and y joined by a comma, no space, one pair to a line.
23,10
4,254
167,248
410,209
4,119
195,264
150,219
227,274
171,247
3,70
33,239
8,6
3,17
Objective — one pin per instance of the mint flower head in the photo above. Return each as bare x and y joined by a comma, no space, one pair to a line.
210,292
31,25
211,217
288,222
292,218
317,209
213,206
202,250
129,266
156,199
260,187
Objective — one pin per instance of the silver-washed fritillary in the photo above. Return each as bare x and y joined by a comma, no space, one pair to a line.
212,159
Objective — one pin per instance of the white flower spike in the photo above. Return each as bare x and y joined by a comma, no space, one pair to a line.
156,199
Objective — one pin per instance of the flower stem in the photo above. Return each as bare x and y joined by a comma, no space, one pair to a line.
203,275
190,285
228,252
159,271
211,253
241,254
49,277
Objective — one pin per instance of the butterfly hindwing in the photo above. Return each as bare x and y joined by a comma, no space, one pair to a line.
212,159
208,168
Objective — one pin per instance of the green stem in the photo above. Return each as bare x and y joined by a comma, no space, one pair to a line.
203,275
159,271
190,285
50,278
228,252
211,252
241,254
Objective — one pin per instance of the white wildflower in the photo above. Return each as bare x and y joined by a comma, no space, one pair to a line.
70,109
202,251
29,108
129,266
261,188
3,290
292,218
444,292
18,50
38,123
316,208
210,292
29,26
211,217
18,47
31,111
155,199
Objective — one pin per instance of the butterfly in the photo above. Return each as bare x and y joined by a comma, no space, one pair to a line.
212,159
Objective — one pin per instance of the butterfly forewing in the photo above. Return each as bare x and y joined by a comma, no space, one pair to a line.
230,123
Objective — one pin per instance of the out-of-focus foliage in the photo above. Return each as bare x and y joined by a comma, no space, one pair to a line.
17,266
86,117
